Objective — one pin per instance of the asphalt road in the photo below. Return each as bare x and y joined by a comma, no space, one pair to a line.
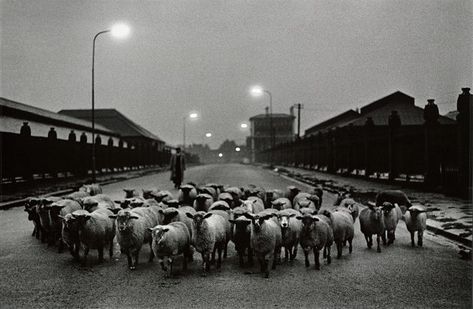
33,275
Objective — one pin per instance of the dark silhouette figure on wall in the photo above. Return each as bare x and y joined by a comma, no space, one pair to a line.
52,134
72,136
25,129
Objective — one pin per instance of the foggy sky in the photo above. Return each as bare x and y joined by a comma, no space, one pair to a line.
203,56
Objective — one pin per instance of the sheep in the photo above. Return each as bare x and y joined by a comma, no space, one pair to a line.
172,214
253,204
174,204
227,197
187,194
266,240
291,193
148,193
304,199
281,203
319,191
394,197
290,229
96,230
216,187
77,196
208,190
57,211
343,229
133,230
203,201
70,232
350,205
316,234
253,190
169,241
372,222
209,235
31,207
220,205
224,211
43,213
129,193
308,211
236,194
272,195
92,203
162,196
416,220
241,237
392,215
92,189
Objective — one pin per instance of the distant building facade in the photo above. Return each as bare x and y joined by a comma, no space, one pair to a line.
260,138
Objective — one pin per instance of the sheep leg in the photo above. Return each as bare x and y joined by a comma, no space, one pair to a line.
86,253
306,253
135,259
100,250
350,247
34,231
161,262
294,252
219,252
339,249
266,267
170,267
261,264
130,261
250,256
212,261
286,255
110,250
369,241
151,254
76,251
225,251
378,240
329,257
383,237
240,258
277,252
184,263
412,239
419,238
316,259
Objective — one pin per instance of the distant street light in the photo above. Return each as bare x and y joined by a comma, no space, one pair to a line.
119,31
190,116
237,149
258,91
220,155
244,126
208,134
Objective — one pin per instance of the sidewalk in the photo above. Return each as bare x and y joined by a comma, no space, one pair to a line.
451,217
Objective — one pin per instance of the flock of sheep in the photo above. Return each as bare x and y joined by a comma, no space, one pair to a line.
205,218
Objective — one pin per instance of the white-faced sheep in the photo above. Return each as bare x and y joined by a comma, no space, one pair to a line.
316,234
209,236
172,214
187,194
349,204
372,223
169,241
266,240
343,229
290,229
96,231
281,203
70,232
416,221
133,230
253,204
394,197
392,215
203,201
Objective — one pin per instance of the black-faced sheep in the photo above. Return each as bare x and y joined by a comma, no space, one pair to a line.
187,194
281,203
57,211
203,201
31,207
316,235
372,222
349,204
394,197
392,215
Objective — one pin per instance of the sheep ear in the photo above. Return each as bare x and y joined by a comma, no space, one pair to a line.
248,215
62,217
189,215
161,211
231,220
254,201
299,217
112,216
151,229
315,218
207,215
114,210
133,217
292,215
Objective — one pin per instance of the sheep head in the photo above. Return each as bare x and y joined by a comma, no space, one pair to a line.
169,214
308,221
158,233
124,220
284,220
198,217
387,207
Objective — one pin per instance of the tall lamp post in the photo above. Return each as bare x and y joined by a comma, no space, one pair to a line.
118,31
258,91
191,116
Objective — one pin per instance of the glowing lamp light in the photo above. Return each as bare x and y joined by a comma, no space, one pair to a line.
220,155
208,134
237,149
120,30
193,115
257,91
243,125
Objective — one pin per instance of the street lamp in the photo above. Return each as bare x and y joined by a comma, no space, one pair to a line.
258,91
118,31
190,116
237,149
244,126
208,134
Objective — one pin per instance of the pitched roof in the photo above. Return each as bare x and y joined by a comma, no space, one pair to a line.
274,115
337,121
29,112
114,120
